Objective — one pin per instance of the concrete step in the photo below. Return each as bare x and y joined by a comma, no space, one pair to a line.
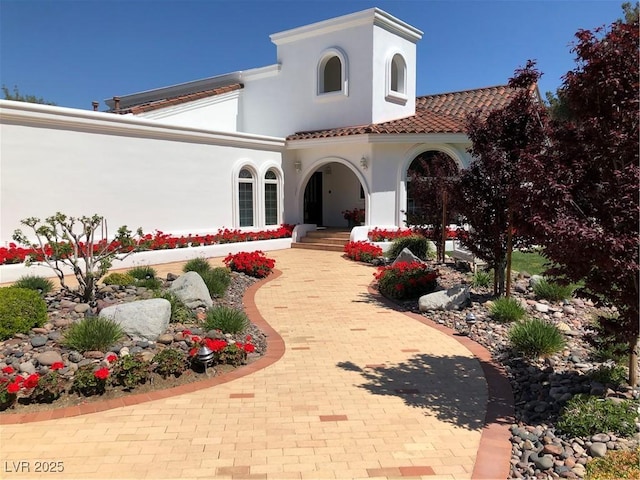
327,240
327,247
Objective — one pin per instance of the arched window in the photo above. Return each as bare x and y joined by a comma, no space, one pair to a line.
332,72
270,198
397,80
245,198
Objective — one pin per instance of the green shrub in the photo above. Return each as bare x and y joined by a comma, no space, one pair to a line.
150,283
507,309
130,371
49,388
233,355
536,338
614,375
179,311
406,280
199,265
122,279
418,245
217,280
170,361
616,465
142,272
482,279
93,333
88,381
21,309
34,282
226,319
552,291
603,341
586,415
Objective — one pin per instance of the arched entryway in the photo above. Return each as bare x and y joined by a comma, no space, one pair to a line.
330,191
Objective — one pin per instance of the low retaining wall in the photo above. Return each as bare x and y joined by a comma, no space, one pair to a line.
11,273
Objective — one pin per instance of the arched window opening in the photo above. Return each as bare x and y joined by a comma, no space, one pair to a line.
332,75
245,198
398,74
270,198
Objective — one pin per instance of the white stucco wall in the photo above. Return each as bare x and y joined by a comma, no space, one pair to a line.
132,171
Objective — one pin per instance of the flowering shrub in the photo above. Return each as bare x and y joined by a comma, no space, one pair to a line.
384,235
224,352
88,381
254,264
156,241
406,280
362,251
355,216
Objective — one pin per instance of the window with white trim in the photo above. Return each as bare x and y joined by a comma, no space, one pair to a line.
246,209
332,73
270,198
397,79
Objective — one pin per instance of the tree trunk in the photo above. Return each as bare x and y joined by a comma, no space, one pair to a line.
443,238
509,250
633,362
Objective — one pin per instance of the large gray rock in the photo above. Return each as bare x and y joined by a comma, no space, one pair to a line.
406,256
191,289
451,299
146,319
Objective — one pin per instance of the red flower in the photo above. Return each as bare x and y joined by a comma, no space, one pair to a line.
186,332
112,358
216,345
193,352
8,369
19,379
101,374
249,348
195,339
31,381
13,387
57,366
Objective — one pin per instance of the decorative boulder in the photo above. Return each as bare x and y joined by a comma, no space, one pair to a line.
534,280
144,319
451,299
406,256
191,289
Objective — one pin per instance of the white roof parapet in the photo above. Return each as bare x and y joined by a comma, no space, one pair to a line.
372,16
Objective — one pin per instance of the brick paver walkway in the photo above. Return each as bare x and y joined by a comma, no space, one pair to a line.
352,389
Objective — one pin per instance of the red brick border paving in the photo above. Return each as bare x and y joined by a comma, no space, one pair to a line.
494,452
275,351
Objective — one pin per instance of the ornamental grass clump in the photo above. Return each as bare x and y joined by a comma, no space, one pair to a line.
586,415
92,333
142,272
362,251
482,279
226,319
217,280
552,291
179,311
254,264
405,280
507,309
21,309
120,279
536,338
198,265
417,244
34,282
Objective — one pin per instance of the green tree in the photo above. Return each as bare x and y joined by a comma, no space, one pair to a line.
19,97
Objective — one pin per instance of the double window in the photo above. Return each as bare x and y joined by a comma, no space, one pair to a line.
248,207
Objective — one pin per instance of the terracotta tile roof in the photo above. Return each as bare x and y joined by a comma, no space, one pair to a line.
168,102
441,113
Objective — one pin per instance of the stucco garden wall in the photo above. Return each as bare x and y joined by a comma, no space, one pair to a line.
132,171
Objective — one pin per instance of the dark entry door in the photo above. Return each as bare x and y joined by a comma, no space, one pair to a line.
313,200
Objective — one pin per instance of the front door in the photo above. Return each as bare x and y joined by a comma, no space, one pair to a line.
313,200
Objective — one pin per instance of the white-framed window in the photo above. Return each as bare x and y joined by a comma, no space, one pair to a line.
397,79
271,196
246,198
332,73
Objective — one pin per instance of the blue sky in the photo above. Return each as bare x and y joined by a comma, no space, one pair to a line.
72,52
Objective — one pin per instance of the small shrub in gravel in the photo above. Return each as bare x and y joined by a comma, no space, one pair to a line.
93,333
88,381
612,375
507,309
586,415
616,465
33,282
170,362
536,338
21,309
130,371
49,388
226,319
142,272
552,291
150,283
217,280
179,311
418,245
198,265
481,279
605,345
121,279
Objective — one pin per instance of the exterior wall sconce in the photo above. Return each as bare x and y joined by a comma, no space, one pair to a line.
364,163
298,166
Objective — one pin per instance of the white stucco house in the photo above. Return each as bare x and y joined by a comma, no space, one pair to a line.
333,124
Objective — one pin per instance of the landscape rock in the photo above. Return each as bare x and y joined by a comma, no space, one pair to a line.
191,289
146,319
406,256
48,358
451,299
39,341
598,449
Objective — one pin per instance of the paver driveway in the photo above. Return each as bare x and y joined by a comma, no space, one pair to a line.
361,391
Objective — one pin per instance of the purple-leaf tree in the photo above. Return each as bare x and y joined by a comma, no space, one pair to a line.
586,183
